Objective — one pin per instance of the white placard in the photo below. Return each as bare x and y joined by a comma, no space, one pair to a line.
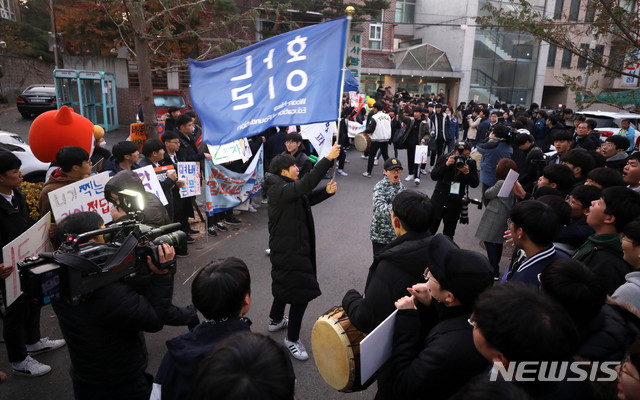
235,150
151,182
189,172
33,241
422,154
507,186
84,195
375,349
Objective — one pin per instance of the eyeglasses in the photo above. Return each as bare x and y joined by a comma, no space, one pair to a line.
622,370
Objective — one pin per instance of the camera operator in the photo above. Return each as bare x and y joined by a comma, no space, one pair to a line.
454,173
104,331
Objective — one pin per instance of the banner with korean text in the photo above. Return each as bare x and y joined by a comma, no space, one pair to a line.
189,172
33,241
226,189
151,182
84,195
289,79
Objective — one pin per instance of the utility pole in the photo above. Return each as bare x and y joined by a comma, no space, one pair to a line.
55,34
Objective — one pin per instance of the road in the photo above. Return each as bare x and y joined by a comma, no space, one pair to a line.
343,255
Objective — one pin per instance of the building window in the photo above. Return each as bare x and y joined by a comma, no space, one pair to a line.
574,10
590,12
566,59
375,36
551,59
582,61
557,12
405,11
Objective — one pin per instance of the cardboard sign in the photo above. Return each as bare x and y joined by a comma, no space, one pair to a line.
507,186
137,134
84,195
151,182
33,241
236,150
189,172
375,349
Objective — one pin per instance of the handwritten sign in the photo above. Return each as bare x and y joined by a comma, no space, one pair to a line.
151,182
84,195
422,154
353,128
33,241
236,150
137,134
189,172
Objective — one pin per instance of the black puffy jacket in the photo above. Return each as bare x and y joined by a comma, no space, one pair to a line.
292,238
399,265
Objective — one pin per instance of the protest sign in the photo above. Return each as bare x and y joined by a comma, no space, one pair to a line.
226,189
228,152
189,172
422,154
33,241
353,128
137,134
84,195
290,79
151,182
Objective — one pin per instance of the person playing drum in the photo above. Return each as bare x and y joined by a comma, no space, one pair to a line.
437,367
292,242
397,266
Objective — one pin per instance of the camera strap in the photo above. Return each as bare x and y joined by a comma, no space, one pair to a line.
85,265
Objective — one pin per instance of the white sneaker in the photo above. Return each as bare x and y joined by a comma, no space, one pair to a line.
417,181
30,367
408,178
364,157
423,171
44,344
297,349
366,174
375,162
268,251
347,161
265,201
251,208
274,327
341,173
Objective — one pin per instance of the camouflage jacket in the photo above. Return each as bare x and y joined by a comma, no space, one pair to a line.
384,192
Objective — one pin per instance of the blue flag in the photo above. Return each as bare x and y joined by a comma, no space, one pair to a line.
289,79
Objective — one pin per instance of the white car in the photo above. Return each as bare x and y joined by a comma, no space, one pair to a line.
608,123
33,169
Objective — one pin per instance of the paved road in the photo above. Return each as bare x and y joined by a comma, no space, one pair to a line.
344,255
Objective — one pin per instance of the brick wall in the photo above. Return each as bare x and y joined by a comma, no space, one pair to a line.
20,72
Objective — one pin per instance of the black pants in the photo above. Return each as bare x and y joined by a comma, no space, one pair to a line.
138,388
182,210
446,210
373,149
296,312
494,253
439,151
21,327
411,155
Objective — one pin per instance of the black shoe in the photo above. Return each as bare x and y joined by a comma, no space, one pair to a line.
190,240
183,255
193,232
233,221
212,231
221,227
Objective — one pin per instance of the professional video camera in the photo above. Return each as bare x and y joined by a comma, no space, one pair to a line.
81,266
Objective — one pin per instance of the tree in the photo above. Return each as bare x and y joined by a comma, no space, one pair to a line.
613,22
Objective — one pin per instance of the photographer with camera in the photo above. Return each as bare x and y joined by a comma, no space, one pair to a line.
104,331
454,173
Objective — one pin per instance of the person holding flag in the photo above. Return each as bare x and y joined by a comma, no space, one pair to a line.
292,242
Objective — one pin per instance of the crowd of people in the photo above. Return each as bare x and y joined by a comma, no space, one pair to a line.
569,292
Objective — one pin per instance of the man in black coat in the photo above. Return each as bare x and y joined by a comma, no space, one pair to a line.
397,266
292,242
436,366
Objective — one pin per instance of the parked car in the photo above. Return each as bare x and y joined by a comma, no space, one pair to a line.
163,99
608,123
32,169
37,99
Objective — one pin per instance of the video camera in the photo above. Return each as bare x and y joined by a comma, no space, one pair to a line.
80,266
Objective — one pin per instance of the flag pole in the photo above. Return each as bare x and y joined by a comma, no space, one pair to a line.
350,11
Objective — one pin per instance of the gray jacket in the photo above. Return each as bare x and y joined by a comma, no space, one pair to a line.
494,220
